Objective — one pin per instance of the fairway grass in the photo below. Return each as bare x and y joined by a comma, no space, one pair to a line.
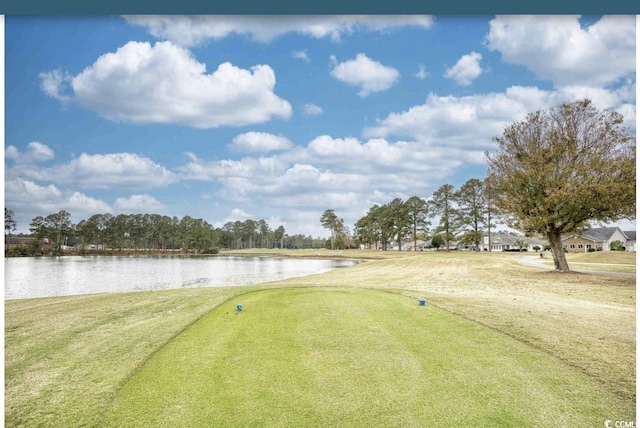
318,357
66,357
78,361
611,261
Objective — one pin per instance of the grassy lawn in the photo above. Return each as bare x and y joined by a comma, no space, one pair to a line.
65,358
318,357
526,342
612,261
606,257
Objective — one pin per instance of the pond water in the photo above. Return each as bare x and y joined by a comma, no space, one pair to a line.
63,276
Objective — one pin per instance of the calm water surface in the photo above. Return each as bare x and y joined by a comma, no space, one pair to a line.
63,276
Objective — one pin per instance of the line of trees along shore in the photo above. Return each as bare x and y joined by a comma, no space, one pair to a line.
464,215
150,232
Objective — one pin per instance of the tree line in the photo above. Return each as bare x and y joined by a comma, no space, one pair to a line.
464,215
149,232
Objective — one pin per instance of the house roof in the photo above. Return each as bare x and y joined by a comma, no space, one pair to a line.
509,239
19,240
419,243
596,234
600,233
428,243
631,234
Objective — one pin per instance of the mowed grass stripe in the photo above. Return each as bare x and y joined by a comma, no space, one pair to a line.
328,357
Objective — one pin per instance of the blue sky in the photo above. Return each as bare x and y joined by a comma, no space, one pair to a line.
279,118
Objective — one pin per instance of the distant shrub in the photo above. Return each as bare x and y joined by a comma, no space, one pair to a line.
17,251
437,241
591,250
616,246
212,250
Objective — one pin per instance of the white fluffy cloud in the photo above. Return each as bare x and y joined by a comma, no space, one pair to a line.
36,152
466,69
312,110
371,76
164,83
386,158
298,187
80,204
422,72
20,190
557,48
200,169
103,171
53,83
259,142
470,122
193,30
301,55
238,214
138,204
29,199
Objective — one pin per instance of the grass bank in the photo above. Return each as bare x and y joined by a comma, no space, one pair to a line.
67,359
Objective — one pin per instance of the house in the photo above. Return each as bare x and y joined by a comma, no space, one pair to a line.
13,241
420,245
424,246
631,241
393,246
503,241
597,238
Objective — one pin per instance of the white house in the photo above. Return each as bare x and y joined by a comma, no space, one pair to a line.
597,238
502,241
631,241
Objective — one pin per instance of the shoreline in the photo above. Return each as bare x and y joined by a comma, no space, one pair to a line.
359,255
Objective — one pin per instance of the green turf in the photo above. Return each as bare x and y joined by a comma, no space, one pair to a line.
345,357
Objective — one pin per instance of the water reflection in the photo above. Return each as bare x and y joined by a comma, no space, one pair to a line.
62,276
